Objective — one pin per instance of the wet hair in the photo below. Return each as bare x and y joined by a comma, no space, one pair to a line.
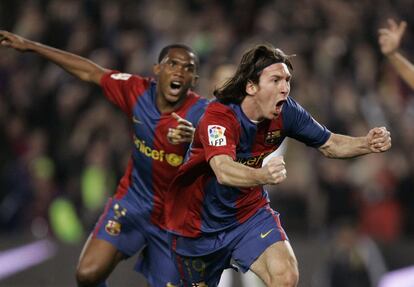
253,62
166,49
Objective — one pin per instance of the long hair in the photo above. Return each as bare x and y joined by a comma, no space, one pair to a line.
250,68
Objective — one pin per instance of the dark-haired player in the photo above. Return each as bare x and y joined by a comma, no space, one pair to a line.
216,207
156,108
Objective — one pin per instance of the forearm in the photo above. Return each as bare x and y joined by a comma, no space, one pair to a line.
342,146
80,67
404,67
229,172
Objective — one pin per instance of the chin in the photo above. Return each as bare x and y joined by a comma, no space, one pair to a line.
173,99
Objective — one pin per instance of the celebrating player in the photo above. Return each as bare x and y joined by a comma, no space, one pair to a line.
389,40
162,114
216,207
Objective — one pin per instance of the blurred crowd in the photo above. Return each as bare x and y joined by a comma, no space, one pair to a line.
61,139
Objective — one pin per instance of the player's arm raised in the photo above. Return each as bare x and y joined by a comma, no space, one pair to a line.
389,40
80,67
229,172
342,146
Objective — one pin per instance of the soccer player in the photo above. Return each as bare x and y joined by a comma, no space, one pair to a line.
218,212
389,40
156,108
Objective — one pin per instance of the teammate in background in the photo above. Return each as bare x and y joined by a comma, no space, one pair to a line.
162,114
217,210
389,40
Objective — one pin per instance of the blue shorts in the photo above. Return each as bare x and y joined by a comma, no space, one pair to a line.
125,227
202,260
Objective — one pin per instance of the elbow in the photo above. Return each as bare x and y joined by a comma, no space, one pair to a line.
222,178
222,175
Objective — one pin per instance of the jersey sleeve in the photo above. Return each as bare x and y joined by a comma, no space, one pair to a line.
219,132
300,125
123,89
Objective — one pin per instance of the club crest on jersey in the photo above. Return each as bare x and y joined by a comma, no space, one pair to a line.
216,135
113,227
272,137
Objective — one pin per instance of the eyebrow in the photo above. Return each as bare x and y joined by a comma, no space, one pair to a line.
189,63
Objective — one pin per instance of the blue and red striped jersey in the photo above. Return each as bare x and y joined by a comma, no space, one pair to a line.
196,203
154,161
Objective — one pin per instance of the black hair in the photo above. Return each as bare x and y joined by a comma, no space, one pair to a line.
166,49
250,68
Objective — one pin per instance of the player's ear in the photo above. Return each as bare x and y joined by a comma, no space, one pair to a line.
194,81
251,88
156,69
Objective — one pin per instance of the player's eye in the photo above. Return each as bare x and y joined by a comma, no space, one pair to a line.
189,68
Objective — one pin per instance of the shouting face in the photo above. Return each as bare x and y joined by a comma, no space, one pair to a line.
266,99
176,75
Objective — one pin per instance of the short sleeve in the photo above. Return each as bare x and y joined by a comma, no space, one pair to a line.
123,89
219,131
300,125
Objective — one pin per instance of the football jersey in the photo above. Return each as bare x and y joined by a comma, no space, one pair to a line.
154,160
196,203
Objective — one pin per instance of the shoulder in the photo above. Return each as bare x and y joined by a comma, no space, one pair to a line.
126,78
194,98
216,106
221,112
291,104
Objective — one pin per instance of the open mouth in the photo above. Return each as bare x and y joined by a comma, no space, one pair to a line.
278,107
175,87
279,104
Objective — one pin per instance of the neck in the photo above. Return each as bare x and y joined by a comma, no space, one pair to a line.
251,109
165,106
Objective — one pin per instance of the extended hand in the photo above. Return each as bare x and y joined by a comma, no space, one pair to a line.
184,132
390,37
379,139
14,41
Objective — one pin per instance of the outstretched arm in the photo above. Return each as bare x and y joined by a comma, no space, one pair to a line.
80,67
389,40
229,172
341,146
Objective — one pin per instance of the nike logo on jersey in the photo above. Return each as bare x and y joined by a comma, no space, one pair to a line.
263,235
136,121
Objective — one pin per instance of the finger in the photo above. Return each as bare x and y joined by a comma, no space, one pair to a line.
185,122
384,31
4,41
181,120
281,176
401,28
379,140
176,116
392,24
185,128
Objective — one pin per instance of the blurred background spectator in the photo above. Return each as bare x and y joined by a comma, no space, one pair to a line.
60,139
